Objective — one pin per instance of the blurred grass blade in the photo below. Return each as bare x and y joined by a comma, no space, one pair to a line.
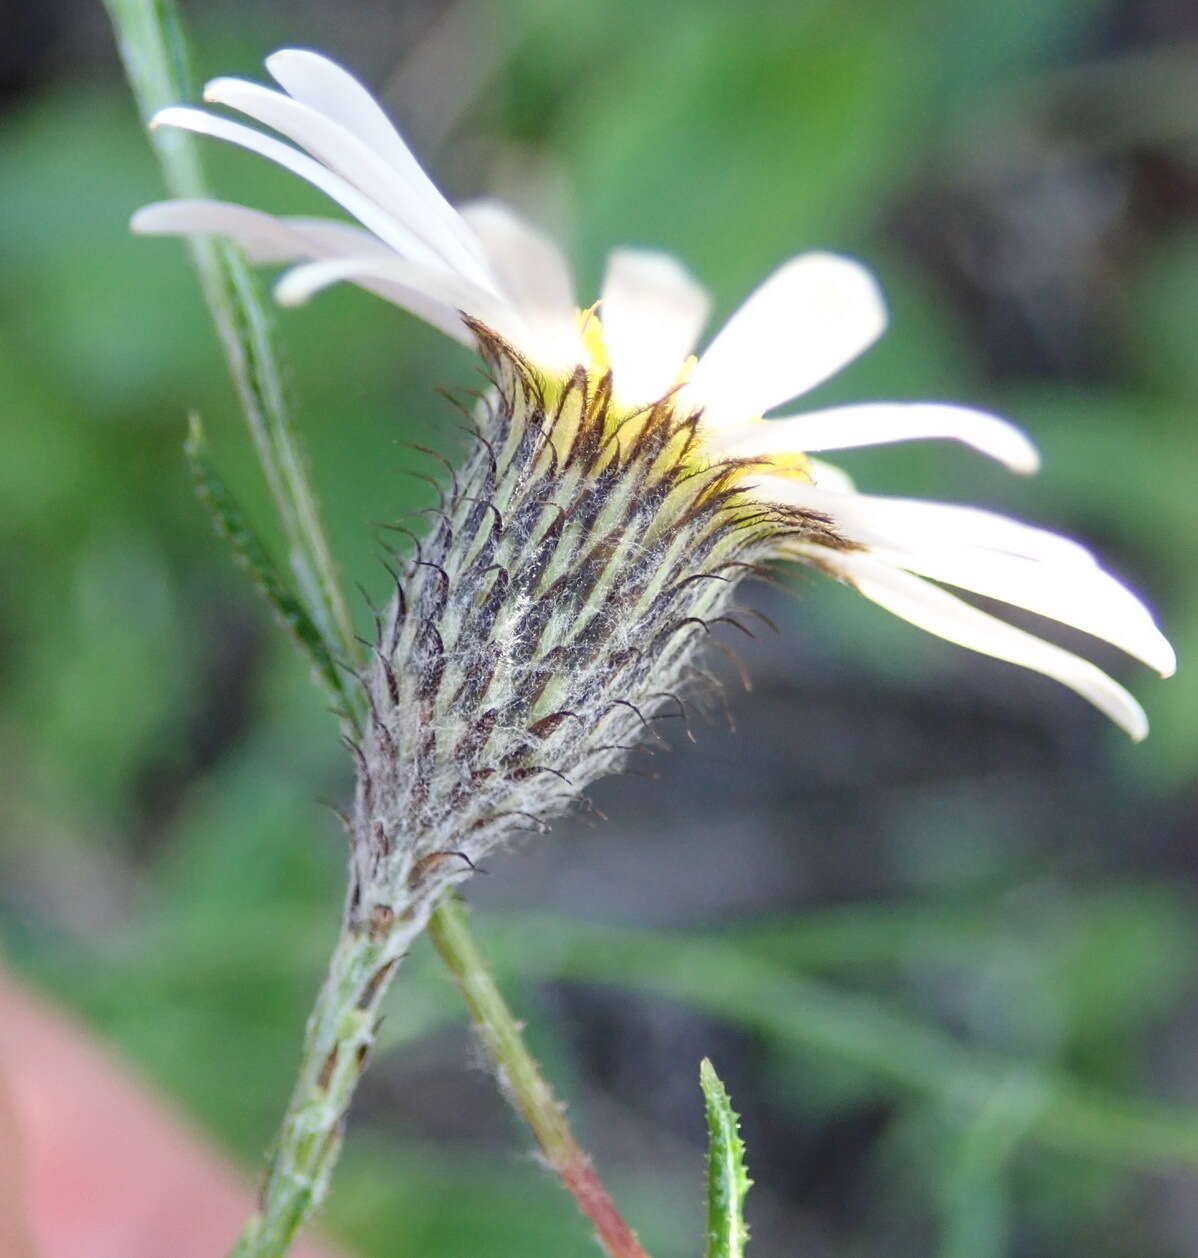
727,1179
250,553
729,982
976,1205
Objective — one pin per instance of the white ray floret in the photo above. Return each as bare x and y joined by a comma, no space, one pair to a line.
875,520
937,611
830,477
653,311
879,423
401,199
532,272
1064,584
331,90
808,319
263,237
399,234
1084,597
442,289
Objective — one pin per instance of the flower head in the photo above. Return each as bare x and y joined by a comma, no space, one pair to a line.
620,485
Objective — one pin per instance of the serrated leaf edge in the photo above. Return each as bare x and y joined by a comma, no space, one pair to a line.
251,555
727,1176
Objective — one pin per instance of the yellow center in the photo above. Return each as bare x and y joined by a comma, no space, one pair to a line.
591,330
790,465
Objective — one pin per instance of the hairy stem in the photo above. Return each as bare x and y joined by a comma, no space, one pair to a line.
521,1079
339,1037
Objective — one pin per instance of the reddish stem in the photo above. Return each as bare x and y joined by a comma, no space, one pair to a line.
523,1082
581,1182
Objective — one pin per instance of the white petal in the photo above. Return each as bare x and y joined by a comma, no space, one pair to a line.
527,262
263,237
876,423
990,555
810,318
331,90
1080,595
366,211
303,282
914,525
435,223
531,272
652,311
947,616
430,293
337,239
829,476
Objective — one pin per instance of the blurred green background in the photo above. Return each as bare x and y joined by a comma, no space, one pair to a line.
950,914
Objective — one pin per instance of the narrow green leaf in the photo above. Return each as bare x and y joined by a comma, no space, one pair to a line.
252,556
974,1187
727,1179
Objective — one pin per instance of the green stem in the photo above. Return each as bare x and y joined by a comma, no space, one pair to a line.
523,1082
339,1037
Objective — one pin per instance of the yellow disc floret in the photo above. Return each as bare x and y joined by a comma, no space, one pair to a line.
790,465
591,330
